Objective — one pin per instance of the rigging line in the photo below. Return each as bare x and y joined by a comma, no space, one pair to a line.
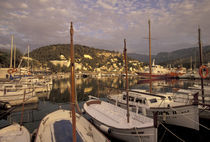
161,103
161,139
194,121
139,137
172,132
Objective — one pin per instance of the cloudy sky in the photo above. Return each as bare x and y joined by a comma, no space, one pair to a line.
105,23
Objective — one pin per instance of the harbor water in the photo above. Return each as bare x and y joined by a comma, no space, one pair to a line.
101,87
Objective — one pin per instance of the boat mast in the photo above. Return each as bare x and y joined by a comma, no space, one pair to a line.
28,58
150,66
11,51
14,56
126,75
72,84
201,61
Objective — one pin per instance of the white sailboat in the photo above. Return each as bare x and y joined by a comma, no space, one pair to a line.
64,125
112,119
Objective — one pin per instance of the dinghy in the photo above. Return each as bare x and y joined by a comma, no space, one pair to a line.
57,127
14,133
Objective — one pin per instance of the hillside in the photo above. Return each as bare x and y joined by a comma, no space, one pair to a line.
178,57
5,58
87,58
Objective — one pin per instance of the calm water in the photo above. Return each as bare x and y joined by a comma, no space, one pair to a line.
59,97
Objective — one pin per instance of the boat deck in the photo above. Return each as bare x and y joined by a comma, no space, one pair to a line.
115,116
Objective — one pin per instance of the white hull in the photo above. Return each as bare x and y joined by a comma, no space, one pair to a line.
17,99
184,116
112,120
87,132
129,135
13,133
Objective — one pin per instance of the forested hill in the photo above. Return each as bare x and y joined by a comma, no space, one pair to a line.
178,57
87,58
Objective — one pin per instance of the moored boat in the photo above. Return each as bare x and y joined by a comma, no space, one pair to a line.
169,111
111,119
57,126
14,133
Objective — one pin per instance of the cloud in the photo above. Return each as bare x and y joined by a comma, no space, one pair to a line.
24,5
105,5
104,24
43,1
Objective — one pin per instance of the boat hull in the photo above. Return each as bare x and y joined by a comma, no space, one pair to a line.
112,121
86,131
184,116
129,135
15,133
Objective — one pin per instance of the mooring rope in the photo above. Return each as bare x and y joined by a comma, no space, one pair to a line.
172,133
139,137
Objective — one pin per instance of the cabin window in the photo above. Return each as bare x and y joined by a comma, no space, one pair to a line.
138,100
144,101
153,100
124,97
131,99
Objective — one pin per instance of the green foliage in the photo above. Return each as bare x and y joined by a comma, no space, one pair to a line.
5,58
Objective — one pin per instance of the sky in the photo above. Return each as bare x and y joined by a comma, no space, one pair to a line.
104,24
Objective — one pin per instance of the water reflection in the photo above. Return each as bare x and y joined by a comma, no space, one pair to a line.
59,95
104,86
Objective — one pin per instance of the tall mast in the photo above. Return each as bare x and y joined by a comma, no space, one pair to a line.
72,84
14,56
150,59
195,61
126,75
201,61
11,51
150,66
191,64
28,57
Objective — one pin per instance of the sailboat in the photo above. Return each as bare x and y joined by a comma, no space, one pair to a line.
154,72
64,125
112,119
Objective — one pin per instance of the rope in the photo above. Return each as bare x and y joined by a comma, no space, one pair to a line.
138,134
172,133
193,120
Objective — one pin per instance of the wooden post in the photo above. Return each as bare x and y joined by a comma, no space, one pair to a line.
126,75
155,118
22,112
201,62
72,96
195,97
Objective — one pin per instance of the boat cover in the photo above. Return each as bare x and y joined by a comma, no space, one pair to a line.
63,131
